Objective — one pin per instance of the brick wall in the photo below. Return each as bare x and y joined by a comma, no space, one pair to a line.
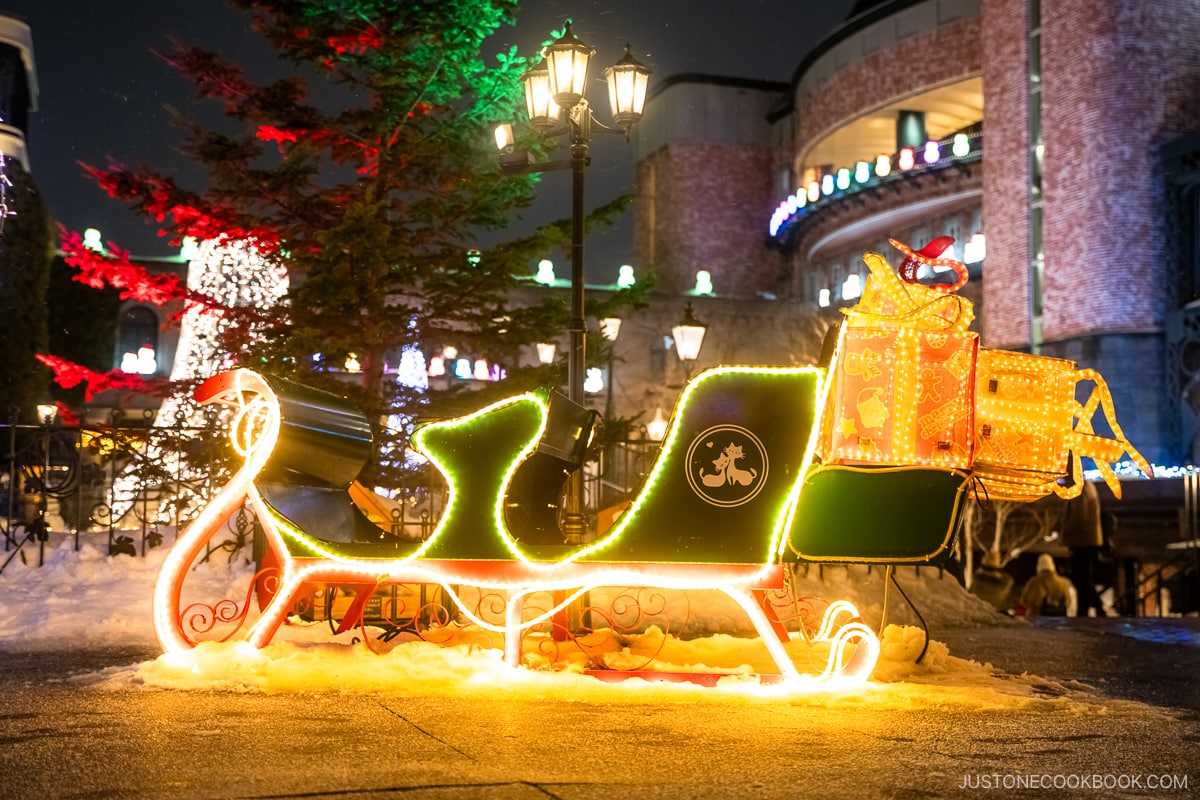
700,205
943,55
1121,78
1005,175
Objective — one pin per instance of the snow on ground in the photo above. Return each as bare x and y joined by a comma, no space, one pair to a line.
88,599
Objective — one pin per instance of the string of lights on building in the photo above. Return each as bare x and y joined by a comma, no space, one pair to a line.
960,148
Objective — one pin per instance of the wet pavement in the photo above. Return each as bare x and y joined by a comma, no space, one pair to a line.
61,739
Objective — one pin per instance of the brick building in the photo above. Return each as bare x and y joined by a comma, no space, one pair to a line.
1085,192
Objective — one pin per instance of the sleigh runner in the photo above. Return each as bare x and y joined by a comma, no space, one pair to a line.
761,468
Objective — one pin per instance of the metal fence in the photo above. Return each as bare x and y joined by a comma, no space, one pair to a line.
129,488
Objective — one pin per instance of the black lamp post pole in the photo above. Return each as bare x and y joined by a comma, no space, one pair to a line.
574,524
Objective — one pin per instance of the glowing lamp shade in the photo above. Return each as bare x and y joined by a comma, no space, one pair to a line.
567,61
46,413
688,335
546,352
906,158
843,179
862,172
627,81
883,166
827,184
933,152
593,383
504,137
610,328
147,362
545,272
657,427
539,102
852,287
814,192
961,146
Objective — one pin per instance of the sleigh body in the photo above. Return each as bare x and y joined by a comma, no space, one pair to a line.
724,508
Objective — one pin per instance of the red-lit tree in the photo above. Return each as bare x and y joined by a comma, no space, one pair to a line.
375,207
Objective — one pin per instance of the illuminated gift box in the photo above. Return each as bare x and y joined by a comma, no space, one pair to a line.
1028,424
1023,413
902,395
911,386
904,381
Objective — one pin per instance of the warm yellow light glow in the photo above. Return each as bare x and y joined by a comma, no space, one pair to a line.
888,301
911,386
902,396
610,328
539,103
567,62
627,83
546,352
504,137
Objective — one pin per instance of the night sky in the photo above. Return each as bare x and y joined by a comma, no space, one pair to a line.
103,93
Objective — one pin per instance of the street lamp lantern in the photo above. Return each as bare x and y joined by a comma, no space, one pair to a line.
546,352
689,336
504,138
539,102
567,62
610,328
627,82
46,413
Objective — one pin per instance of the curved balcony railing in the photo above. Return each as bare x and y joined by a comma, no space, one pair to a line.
961,148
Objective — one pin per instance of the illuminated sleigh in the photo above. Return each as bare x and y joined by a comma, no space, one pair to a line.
754,427
866,462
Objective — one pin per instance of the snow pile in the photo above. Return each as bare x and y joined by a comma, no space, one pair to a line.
88,599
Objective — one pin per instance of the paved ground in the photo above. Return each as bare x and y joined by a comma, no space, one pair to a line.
61,740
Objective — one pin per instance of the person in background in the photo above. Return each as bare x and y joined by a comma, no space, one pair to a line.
1083,533
992,584
1047,594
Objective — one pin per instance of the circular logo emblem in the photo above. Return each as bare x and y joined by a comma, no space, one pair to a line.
726,465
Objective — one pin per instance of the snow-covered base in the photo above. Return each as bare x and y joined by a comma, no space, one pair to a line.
87,599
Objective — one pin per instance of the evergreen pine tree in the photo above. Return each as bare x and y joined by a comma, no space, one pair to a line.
375,198
26,251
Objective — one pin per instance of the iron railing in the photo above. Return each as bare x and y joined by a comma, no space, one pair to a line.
130,488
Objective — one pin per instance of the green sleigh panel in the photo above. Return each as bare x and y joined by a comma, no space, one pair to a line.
719,492
864,515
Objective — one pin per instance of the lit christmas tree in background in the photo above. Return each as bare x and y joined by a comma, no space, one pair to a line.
235,275
232,275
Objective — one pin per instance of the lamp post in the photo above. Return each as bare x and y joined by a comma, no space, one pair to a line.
610,329
555,103
688,334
